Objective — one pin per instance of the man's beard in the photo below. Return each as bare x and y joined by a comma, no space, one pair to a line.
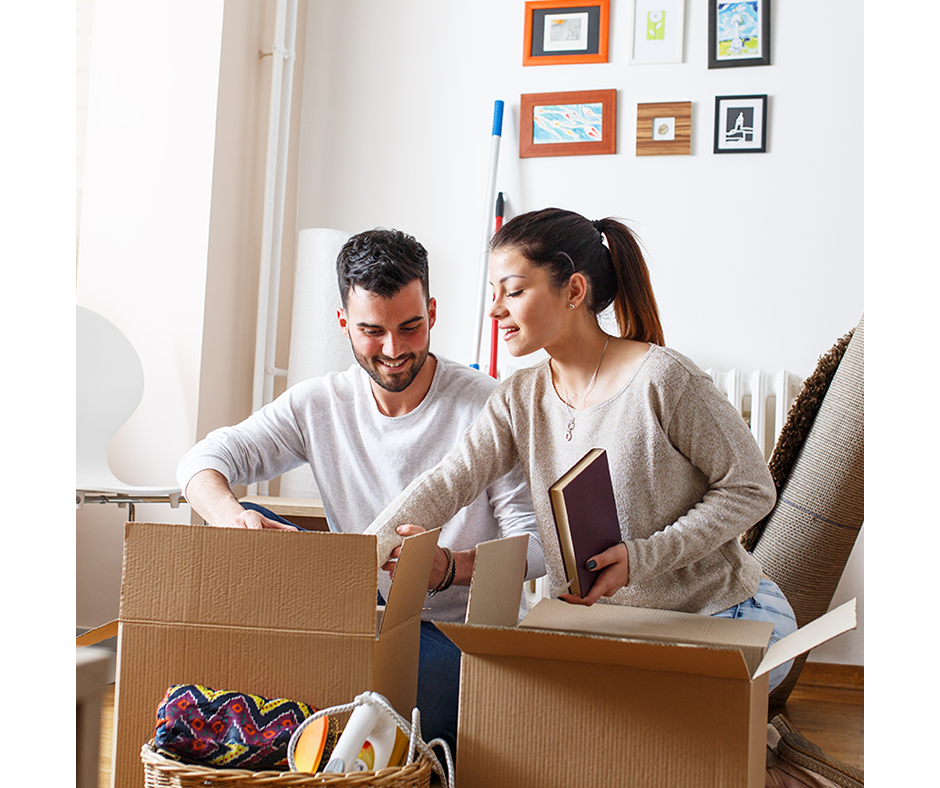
397,381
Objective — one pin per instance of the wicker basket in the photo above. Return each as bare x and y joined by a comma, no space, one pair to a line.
162,772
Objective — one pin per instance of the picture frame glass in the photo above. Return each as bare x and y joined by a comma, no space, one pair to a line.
657,31
740,124
567,123
738,33
567,32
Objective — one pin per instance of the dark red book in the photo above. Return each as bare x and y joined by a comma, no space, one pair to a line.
585,517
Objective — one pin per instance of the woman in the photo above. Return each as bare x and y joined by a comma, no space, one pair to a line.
688,476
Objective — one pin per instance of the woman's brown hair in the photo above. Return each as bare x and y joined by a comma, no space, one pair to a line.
565,243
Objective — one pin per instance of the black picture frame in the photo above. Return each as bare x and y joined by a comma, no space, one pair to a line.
756,29
741,124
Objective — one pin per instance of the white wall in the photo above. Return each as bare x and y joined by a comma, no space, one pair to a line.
145,212
142,260
171,235
756,259
397,109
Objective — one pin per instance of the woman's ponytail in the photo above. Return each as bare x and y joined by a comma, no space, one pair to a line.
634,302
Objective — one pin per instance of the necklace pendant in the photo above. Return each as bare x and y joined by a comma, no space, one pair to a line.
570,428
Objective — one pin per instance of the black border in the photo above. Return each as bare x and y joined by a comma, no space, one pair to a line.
763,60
765,99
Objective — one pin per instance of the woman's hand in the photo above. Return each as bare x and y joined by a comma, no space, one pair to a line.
438,567
614,568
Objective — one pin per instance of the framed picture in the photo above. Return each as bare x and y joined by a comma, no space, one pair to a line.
740,124
738,33
562,31
664,129
657,31
568,124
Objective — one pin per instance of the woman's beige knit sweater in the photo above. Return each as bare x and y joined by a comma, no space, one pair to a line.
688,478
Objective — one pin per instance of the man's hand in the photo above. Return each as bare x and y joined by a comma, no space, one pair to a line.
211,497
614,568
248,518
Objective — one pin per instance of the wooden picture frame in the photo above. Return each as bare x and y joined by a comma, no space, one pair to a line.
566,32
575,123
738,33
741,124
657,31
664,129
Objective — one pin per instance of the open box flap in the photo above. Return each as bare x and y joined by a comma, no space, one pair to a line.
408,589
496,587
638,622
96,635
815,633
659,626
718,661
200,575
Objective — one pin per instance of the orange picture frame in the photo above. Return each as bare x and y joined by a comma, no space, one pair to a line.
584,32
573,123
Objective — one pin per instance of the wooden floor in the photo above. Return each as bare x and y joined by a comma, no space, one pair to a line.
827,706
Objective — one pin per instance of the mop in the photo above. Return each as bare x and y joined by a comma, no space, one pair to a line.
487,231
494,333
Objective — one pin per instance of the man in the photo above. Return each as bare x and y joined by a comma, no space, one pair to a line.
366,433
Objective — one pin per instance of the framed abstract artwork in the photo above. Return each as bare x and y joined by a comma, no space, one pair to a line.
562,31
574,123
738,33
741,124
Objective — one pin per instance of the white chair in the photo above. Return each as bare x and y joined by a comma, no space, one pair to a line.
109,387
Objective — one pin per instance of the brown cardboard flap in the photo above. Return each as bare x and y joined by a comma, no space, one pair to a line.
97,634
807,637
498,575
410,586
267,580
663,626
718,661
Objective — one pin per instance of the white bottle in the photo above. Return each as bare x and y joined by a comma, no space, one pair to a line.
367,741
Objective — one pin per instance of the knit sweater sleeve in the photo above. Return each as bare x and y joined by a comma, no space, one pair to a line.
486,451
268,443
706,429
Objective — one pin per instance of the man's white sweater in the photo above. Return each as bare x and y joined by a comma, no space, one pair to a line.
362,459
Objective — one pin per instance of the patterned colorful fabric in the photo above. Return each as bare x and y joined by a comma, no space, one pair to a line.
225,729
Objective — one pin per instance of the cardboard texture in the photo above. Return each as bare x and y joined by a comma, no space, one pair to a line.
273,613
610,695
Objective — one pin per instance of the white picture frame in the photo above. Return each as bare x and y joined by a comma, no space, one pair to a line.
657,34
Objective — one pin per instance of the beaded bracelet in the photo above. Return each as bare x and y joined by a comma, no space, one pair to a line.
448,580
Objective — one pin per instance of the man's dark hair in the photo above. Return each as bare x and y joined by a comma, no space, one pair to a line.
381,261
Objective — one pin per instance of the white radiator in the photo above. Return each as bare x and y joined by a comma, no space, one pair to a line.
762,398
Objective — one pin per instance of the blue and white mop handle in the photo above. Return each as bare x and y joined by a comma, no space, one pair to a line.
487,229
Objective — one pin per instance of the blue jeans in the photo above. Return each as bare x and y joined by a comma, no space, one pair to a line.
438,673
768,604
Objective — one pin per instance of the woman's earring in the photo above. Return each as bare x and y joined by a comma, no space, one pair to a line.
570,306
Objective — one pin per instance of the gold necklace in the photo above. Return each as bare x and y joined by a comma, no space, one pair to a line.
572,414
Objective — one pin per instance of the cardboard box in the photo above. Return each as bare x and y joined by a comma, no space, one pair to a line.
612,695
273,613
